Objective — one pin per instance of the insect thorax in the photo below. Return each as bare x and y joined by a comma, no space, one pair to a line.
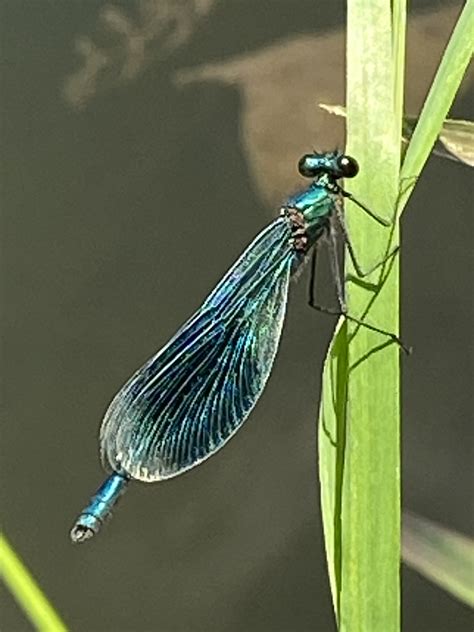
309,213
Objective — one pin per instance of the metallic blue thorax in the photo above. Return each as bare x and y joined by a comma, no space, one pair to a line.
316,205
316,202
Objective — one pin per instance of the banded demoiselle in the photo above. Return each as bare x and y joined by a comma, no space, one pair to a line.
194,394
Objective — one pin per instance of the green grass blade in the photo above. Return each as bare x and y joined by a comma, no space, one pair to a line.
331,441
371,493
359,423
27,592
359,414
456,137
455,140
455,60
399,27
442,555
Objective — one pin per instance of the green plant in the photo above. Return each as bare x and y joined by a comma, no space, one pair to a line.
26,591
359,421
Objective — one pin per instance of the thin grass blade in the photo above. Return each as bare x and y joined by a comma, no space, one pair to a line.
359,415
27,592
442,555
452,68
455,140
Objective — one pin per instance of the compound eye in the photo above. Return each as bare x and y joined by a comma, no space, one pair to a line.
305,167
348,166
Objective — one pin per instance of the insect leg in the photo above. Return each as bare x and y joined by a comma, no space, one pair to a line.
342,311
366,209
350,248
312,285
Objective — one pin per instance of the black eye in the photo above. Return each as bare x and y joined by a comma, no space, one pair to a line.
348,166
305,168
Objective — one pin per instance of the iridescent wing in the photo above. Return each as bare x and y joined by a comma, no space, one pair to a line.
194,394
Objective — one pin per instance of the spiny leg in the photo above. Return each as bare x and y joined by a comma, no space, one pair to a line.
350,248
338,281
312,276
312,286
342,311
411,180
366,209
335,267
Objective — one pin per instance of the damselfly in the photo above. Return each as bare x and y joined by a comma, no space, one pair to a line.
193,395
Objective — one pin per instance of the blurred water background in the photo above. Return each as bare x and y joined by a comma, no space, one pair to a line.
144,144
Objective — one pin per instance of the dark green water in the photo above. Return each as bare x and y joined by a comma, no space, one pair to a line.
116,221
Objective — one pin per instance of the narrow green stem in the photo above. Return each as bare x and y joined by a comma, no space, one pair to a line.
399,24
27,592
451,70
